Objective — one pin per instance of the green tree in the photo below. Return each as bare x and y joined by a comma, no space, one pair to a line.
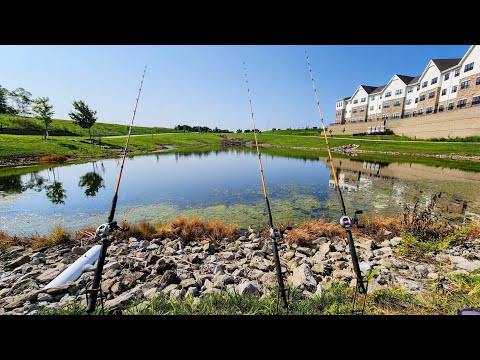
4,108
43,111
83,115
239,131
22,99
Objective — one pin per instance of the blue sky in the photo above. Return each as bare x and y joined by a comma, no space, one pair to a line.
204,85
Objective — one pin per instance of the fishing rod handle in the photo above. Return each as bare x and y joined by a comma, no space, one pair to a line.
278,268
356,266
92,299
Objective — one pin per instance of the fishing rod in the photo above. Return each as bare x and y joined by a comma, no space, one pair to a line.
275,234
345,221
105,230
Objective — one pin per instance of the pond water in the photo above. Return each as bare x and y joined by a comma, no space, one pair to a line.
222,184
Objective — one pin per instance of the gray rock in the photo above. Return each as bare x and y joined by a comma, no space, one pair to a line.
194,258
365,267
289,255
385,243
251,237
221,281
48,275
209,248
340,274
170,277
38,255
78,250
395,241
151,293
122,301
242,238
433,276
69,287
367,245
89,268
144,244
422,271
44,297
192,291
114,265
208,284
318,291
239,272
134,245
462,263
303,278
188,283
197,249
255,274
249,288
117,287
227,255
18,262
177,294
132,239
153,247
218,269
336,256
306,251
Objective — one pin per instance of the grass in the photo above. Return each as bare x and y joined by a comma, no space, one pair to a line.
443,148
58,235
192,229
53,158
337,300
18,122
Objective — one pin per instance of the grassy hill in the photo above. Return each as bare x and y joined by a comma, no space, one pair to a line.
18,122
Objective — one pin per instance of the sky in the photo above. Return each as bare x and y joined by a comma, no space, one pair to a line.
204,84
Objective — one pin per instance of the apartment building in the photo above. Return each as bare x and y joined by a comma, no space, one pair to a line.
444,85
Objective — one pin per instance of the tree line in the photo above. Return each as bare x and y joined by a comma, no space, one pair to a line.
22,104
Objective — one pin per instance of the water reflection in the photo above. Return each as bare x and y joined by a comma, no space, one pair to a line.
92,181
358,176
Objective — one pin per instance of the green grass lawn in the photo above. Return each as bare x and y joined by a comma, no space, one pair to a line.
17,122
14,145
448,148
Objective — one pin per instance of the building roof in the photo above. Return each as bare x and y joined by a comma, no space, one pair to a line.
414,80
405,78
345,98
368,88
378,89
444,64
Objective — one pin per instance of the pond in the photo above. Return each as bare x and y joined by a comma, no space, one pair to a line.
222,184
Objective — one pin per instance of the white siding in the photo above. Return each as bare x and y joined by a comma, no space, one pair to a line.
432,72
348,109
474,57
375,104
392,87
449,84
411,96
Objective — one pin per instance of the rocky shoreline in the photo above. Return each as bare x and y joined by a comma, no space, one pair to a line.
138,270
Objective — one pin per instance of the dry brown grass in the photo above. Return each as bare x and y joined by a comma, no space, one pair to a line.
313,229
474,232
196,229
53,158
376,226
57,236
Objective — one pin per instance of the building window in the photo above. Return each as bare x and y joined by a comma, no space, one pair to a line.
429,110
396,103
422,97
424,84
371,108
399,92
468,67
434,80
419,111
444,92
416,100
355,101
410,89
462,103
478,81
454,89
396,116
465,84
447,76
457,72
414,113
388,94
363,99
418,87
450,106
385,116
409,101
406,114
476,100
379,107
354,111
362,109
441,108
386,105
431,94
372,97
